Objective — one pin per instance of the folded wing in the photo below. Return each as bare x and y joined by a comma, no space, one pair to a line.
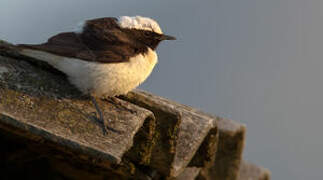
101,40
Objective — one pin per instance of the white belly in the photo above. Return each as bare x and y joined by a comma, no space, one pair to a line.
109,79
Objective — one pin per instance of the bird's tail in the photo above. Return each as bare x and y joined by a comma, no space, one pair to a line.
39,55
24,52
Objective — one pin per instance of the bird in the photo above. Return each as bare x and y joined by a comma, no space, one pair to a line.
103,57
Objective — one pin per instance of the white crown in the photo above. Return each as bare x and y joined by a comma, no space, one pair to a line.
138,22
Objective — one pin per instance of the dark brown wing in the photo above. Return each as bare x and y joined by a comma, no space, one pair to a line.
101,41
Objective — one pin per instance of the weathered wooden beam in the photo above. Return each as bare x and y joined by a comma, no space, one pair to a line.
184,134
251,171
20,156
149,138
205,156
229,152
43,106
220,154
189,173
167,130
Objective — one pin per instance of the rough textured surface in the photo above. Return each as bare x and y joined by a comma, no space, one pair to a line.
167,131
249,171
21,156
189,174
230,148
47,127
192,130
229,152
46,106
206,154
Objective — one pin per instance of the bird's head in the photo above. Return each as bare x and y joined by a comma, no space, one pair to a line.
143,30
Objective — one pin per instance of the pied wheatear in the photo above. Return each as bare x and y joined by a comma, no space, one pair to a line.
105,57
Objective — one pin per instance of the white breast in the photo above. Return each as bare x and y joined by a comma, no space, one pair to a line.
109,79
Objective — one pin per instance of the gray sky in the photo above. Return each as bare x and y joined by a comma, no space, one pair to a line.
258,62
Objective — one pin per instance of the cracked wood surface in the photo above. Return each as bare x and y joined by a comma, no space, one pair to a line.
189,135
157,139
251,171
42,105
229,151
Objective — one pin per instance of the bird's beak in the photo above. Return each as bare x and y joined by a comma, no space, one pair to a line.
166,37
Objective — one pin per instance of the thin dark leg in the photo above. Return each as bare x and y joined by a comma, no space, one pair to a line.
117,102
100,114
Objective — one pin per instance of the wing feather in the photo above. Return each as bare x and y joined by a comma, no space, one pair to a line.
102,40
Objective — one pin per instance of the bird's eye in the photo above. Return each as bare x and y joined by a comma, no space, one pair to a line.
147,33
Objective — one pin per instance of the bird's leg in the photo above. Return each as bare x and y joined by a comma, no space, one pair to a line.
117,102
98,110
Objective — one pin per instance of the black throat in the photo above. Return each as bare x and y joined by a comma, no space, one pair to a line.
142,39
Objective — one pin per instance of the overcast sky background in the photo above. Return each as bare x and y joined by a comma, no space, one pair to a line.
258,62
